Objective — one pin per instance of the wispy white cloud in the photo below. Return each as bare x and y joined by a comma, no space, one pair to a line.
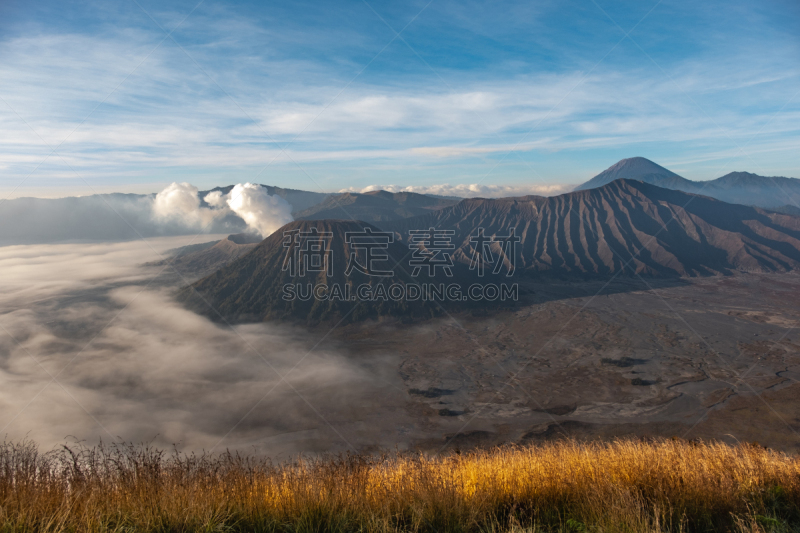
169,122
472,190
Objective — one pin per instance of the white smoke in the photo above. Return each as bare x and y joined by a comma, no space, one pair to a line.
263,214
216,199
180,202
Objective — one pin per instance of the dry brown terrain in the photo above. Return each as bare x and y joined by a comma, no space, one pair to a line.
707,358
711,358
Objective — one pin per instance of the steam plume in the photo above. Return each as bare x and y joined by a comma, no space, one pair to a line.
263,214
179,202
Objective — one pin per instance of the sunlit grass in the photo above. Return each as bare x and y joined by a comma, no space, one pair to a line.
567,486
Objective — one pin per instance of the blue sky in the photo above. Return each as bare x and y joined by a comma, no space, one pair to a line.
516,97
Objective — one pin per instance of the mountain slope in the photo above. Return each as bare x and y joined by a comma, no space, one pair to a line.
653,230
253,288
736,187
787,210
204,259
375,206
752,189
640,169
624,227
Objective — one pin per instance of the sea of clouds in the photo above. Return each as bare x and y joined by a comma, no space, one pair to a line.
92,346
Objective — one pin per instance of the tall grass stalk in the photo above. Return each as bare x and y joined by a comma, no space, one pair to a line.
623,486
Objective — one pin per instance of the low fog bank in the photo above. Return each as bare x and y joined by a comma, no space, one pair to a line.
107,217
92,346
179,209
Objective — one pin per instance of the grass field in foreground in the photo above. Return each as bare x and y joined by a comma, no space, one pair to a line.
628,486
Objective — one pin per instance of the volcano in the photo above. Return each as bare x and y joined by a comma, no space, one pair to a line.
623,227
639,169
774,192
316,270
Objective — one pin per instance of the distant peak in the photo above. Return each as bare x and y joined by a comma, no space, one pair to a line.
632,168
636,159
639,163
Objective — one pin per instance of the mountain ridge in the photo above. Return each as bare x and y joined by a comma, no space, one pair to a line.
596,231
373,207
254,286
624,228
735,187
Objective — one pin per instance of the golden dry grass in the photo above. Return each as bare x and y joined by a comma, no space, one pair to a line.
565,486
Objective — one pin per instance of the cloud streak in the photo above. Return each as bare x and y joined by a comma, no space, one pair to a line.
473,190
563,121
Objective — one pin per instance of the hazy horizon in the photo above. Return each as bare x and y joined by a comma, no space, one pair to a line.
443,189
